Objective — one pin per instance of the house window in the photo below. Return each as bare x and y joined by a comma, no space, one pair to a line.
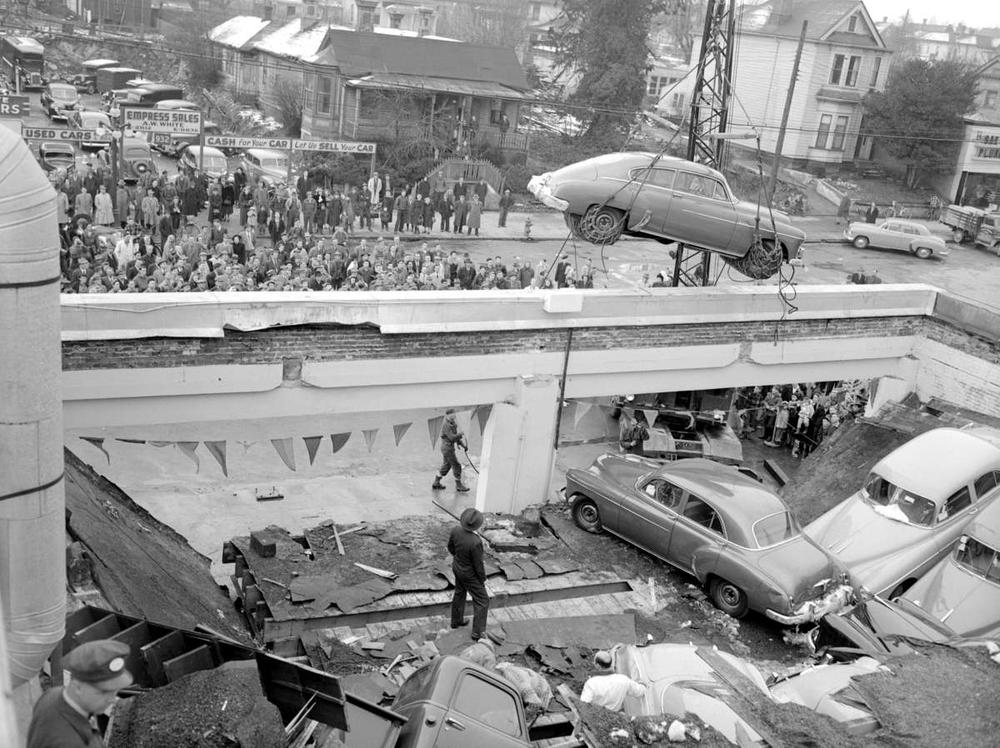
536,11
838,69
875,71
852,71
852,24
324,94
823,134
990,99
839,132
677,100
289,11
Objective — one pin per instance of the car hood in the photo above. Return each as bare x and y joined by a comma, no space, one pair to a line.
817,687
798,567
966,603
867,542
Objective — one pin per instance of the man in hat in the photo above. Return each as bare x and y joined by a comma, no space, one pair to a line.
66,717
451,435
610,689
466,549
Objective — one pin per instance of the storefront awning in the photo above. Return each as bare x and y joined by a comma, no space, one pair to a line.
430,84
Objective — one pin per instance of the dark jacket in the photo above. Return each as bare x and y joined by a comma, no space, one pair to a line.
55,724
466,549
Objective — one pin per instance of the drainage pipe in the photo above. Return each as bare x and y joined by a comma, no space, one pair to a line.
32,499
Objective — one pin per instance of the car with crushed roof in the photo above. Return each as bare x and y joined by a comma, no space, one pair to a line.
963,590
733,534
914,505
671,200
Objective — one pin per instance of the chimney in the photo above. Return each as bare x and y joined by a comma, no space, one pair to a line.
366,14
267,12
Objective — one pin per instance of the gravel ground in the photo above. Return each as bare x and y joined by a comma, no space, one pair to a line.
221,708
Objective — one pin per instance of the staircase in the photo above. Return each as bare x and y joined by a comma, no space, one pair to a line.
472,171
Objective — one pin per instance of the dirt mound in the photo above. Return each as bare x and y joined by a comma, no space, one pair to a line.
221,708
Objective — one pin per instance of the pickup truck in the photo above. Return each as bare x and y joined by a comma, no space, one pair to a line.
453,703
989,232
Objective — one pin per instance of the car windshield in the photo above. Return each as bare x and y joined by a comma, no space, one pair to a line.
979,558
65,94
896,503
774,529
274,163
215,162
136,152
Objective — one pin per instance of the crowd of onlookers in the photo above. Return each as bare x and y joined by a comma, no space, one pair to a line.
796,416
188,232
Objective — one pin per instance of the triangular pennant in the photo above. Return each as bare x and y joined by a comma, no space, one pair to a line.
582,408
286,451
399,430
312,446
188,449
133,441
218,451
338,440
370,435
99,443
483,414
434,429
651,416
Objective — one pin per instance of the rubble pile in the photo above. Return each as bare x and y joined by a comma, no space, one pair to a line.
220,708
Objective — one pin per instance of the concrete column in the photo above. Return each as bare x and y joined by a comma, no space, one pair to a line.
32,501
893,389
518,452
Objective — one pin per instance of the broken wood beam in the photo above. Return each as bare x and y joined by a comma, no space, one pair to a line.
380,572
336,535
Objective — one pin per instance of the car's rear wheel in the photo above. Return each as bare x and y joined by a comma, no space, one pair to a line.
586,514
602,224
923,252
762,260
861,242
958,236
729,598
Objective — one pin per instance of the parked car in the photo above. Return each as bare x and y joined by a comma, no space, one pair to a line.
670,200
710,520
906,236
210,160
261,164
170,144
914,505
137,158
963,590
58,99
89,119
683,678
56,155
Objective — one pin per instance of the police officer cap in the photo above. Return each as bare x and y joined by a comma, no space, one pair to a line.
472,519
450,412
99,662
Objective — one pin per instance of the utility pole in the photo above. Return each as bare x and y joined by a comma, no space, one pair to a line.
784,116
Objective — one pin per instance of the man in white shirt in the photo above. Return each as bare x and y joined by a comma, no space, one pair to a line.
610,690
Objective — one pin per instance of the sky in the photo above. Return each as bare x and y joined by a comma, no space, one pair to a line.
976,13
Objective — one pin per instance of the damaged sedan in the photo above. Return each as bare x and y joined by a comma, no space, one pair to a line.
734,535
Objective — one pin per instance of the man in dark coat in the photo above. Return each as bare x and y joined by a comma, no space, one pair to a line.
466,549
66,716
451,435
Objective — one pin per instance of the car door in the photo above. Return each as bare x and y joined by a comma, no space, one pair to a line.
890,236
650,192
698,527
480,714
647,514
701,212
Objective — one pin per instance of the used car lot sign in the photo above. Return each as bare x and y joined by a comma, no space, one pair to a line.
333,146
14,106
284,144
176,121
57,133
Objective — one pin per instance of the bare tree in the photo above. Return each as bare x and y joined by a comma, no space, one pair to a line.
501,23
288,95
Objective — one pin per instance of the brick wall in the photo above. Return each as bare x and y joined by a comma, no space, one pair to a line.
343,343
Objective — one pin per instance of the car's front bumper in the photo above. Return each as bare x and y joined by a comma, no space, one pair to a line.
539,187
837,599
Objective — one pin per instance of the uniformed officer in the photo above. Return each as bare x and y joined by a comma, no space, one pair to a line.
451,435
66,717
466,549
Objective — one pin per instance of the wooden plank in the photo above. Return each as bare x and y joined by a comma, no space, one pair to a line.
745,695
135,637
570,699
336,535
102,628
199,658
158,652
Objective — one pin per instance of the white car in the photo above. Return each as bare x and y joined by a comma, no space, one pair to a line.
913,507
207,159
906,236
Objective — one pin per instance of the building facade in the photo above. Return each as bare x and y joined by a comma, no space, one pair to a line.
843,58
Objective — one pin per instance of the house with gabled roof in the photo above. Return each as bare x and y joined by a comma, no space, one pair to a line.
369,83
843,58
